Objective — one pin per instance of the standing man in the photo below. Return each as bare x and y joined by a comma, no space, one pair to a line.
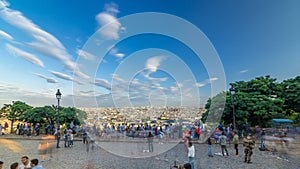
25,163
57,136
222,141
236,143
150,141
262,140
191,154
5,125
209,144
0,130
248,144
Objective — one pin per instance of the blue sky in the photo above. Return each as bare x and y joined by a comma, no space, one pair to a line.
142,53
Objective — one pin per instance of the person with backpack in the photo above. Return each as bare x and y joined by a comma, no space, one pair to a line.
222,141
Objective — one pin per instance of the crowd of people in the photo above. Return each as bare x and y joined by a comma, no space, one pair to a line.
190,135
25,164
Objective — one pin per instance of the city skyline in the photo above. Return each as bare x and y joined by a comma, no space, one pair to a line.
140,53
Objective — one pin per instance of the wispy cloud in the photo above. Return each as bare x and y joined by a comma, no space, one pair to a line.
103,83
65,77
49,79
28,56
61,75
244,71
43,43
86,55
6,35
200,84
206,82
110,26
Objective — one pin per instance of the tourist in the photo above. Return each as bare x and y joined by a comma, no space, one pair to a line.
66,138
84,137
222,142
150,141
262,140
191,153
14,165
34,164
5,125
209,144
0,130
18,129
57,137
236,143
25,162
248,144
37,129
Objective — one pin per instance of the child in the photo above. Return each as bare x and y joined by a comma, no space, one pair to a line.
209,148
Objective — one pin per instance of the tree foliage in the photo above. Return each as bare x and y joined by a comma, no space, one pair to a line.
20,111
40,115
14,111
259,100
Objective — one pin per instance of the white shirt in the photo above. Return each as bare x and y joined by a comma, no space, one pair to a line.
27,166
191,151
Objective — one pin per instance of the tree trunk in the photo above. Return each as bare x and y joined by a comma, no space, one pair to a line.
12,126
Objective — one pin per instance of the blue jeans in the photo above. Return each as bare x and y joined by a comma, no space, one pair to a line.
191,161
209,150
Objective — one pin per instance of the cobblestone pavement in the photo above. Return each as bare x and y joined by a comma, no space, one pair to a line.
12,149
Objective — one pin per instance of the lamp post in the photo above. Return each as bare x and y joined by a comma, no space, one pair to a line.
58,97
232,91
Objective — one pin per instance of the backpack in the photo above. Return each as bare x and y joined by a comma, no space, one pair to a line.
222,140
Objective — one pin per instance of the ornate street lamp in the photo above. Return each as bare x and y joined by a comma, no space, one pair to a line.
58,97
232,91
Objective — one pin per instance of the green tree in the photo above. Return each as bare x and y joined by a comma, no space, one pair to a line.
72,114
40,115
256,102
14,111
290,92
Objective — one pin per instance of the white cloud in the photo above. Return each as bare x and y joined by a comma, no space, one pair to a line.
151,66
28,56
114,51
110,26
200,84
154,62
213,79
244,71
86,55
61,75
5,35
102,83
120,55
44,43
65,77
49,79
206,82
